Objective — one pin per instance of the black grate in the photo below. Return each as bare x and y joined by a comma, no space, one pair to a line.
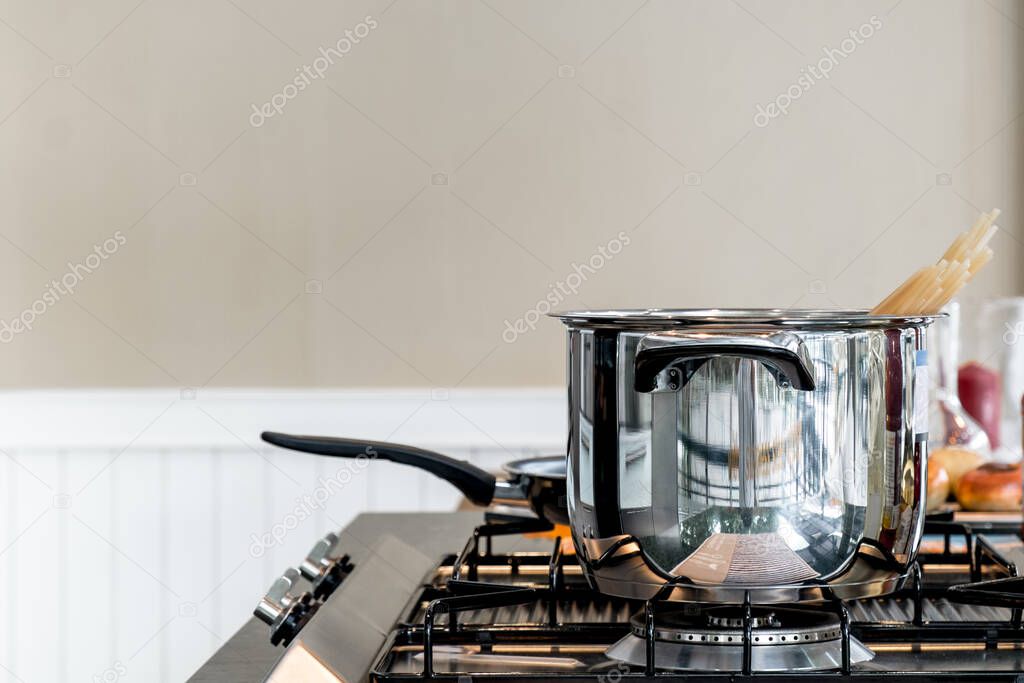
485,601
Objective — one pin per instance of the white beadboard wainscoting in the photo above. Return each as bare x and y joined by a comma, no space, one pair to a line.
127,548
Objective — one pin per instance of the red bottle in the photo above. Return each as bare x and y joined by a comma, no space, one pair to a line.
981,396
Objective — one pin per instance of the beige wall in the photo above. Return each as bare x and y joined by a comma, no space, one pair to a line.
456,162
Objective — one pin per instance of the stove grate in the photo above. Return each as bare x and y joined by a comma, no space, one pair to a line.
483,602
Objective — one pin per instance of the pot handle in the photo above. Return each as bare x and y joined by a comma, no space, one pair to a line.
782,353
477,484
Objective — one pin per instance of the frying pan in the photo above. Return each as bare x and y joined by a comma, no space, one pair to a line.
535,482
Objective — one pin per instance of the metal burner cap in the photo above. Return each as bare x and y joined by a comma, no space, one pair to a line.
724,626
784,639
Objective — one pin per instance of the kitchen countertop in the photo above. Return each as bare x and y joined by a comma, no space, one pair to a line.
248,655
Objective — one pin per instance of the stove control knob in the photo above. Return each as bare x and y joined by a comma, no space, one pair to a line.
323,569
285,613
319,558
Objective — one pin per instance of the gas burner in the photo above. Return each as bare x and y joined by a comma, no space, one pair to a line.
711,639
724,618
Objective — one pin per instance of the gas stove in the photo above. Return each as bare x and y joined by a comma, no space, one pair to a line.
512,604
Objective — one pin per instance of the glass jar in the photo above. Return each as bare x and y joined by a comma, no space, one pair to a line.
949,423
1000,345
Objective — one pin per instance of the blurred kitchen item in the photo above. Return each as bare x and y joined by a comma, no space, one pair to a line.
938,487
993,486
999,344
981,397
949,423
955,461
932,287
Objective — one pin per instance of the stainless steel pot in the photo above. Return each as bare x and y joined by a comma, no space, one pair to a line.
720,455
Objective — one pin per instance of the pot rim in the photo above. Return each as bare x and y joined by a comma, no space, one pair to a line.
804,318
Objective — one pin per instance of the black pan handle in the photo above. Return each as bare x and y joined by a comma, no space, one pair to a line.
475,483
